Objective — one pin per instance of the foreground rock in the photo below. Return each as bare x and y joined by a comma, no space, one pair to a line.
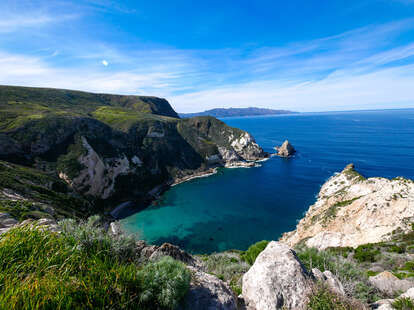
386,304
286,149
352,210
6,222
207,292
277,280
388,283
328,279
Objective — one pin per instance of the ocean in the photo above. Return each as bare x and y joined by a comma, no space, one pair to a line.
238,207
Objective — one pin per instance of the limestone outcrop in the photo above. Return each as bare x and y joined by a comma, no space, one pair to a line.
208,292
386,304
277,280
285,150
388,283
328,279
6,222
351,210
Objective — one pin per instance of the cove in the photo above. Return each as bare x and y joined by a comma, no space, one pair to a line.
237,207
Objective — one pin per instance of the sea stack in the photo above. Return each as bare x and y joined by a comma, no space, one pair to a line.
286,150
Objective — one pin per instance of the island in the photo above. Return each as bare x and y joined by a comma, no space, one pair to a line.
234,112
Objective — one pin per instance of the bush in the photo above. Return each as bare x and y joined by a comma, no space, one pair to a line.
253,251
323,299
403,303
40,269
164,283
366,253
91,237
228,267
352,276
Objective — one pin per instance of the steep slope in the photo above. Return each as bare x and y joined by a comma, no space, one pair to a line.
27,193
111,147
352,210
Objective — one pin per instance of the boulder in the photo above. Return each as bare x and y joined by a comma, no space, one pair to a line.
286,149
386,304
207,292
277,280
175,252
6,222
329,280
388,283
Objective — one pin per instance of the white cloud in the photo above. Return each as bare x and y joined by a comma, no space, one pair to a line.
356,69
386,88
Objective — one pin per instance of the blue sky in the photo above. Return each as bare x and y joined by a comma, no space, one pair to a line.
298,55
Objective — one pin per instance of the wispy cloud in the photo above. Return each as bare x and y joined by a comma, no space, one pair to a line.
361,68
27,15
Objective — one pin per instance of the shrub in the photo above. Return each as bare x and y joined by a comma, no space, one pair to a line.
323,299
253,251
228,267
403,303
40,269
163,283
366,253
352,276
90,236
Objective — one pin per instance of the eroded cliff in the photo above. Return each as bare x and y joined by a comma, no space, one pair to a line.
351,210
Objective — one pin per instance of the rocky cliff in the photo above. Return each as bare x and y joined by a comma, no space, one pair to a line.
114,148
351,210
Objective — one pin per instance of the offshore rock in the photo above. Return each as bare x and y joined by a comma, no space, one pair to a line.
277,280
351,210
286,149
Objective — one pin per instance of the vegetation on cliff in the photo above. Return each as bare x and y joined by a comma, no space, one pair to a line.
112,148
84,268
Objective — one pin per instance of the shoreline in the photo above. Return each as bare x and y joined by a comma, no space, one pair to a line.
203,174
157,191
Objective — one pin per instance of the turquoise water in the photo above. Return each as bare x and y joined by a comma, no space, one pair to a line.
238,207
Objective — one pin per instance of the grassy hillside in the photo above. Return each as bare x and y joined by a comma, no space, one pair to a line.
83,267
27,193
108,148
20,105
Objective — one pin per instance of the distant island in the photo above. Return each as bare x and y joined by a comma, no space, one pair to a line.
221,112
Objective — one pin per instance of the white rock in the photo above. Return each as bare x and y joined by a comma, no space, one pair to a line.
207,292
390,284
277,280
351,210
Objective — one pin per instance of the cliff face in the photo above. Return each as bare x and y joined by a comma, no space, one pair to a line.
351,210
114,147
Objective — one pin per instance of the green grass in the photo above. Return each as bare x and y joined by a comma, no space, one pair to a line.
352,275
22,210
227,266
403,303
323,299
366,253
20,105
40,190
253,251
331,212
82,268
353,174
123,118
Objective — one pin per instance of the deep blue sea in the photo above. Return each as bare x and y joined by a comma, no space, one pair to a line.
237,207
